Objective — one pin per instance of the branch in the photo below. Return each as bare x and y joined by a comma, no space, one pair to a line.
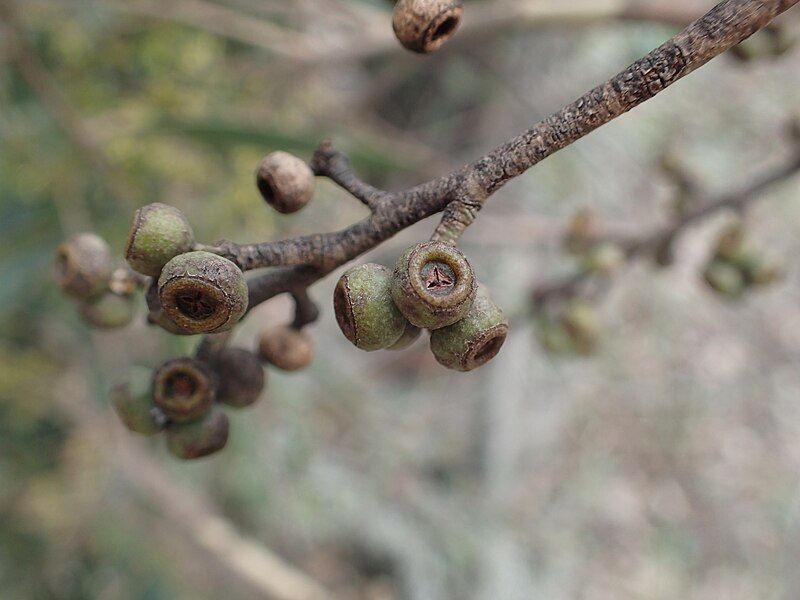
659,243
462,193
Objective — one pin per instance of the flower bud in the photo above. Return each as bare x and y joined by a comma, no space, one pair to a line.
200,438
425,25
83,266
287,348
240,375
159,232
184,389
364,308
133,402
474,340
582,324
433,285
201,292
285,182
109,311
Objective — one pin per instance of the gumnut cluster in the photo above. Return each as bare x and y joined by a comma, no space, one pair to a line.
735,267
569,328
433,287
424,26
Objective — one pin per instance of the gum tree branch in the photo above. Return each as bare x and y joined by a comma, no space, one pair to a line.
462,193
659,243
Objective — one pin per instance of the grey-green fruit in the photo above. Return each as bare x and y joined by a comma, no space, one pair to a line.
364,308
425,25
201,292
758,270
200,438
433,285
109,311
158,233
725,278
184,389
410,335
133,402
240,377
287,348
285,182
474,340
83,266
582,324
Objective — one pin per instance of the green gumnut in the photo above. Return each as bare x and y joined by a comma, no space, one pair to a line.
433,285
474,340
604,258
757,270
725,278
364,309
200,438
159,232
582,325
554,338
83,266
240,376
109,311
184,389
133,402
201,292
410,335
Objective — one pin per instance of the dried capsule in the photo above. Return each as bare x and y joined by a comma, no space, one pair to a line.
425,25
201,292
83,266
410,335
134,404
240,377
109,311
184,388
474,340
200,438
285,182
433,285
364,308
158,233
287,348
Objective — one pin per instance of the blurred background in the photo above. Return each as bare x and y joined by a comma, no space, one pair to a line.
665,465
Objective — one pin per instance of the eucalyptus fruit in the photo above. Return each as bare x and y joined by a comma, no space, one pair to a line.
425,25
474,340
286,347
286,182
184,389
109,311
133,402
433,285
83,266
158,233
201,292
199,438
364,308
240,377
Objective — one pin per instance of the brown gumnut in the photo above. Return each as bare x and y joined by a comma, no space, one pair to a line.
184,388
287,348
83,266
285,182
240,377
425,25
199,438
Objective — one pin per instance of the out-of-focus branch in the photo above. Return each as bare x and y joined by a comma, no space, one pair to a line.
658,244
